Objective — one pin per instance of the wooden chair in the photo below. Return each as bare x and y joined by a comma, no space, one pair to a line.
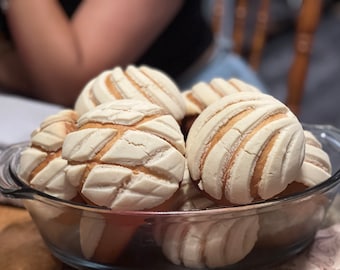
306,25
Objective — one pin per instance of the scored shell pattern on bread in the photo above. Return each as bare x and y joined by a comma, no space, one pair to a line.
207,241
141,83
202,94
41,165
245,147
126,154
316,166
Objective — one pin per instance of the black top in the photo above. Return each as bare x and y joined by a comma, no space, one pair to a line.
182,42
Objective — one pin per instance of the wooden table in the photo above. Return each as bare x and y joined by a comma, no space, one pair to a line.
21,245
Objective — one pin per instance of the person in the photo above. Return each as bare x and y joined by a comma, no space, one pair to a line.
57,46
81,38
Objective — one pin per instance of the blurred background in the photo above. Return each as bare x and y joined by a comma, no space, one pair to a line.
321,100
278,51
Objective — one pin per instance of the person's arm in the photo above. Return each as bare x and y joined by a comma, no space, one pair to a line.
60,55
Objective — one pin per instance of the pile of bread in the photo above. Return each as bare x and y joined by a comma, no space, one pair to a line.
134,141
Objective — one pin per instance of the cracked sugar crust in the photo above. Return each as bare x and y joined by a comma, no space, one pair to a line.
245,147
52,131
126,154
141,83
41,165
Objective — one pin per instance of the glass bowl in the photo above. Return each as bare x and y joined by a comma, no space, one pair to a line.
253,236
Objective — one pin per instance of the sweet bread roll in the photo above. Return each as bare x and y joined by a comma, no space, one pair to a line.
43,168
126,154
41,165
142,83
202,94
103,237
316,166
208,241
245,147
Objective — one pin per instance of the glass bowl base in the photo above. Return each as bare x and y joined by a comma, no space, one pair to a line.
256,260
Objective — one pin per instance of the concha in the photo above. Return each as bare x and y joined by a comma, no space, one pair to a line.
126,154
245,147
